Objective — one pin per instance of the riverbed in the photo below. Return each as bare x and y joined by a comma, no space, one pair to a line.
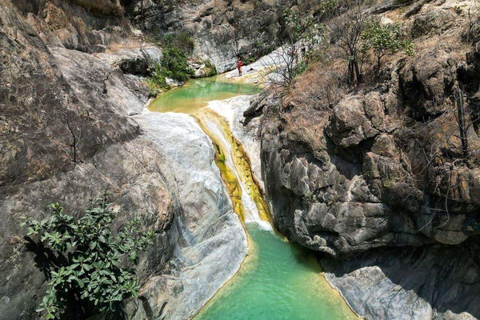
277,280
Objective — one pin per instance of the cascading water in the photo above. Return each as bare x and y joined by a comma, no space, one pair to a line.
255,209
277,280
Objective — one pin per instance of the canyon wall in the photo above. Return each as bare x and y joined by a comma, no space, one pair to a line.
351,169
70,85
222,30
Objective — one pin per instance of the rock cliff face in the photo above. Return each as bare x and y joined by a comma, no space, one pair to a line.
351,170
210,243
69,88
222,29
431,282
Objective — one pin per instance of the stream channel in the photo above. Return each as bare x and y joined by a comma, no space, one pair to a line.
277,280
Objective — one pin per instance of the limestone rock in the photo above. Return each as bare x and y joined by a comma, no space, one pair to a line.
410,283
211,242
140,61
428,81
432,20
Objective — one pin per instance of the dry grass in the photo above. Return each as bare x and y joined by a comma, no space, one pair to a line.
129,43
321,87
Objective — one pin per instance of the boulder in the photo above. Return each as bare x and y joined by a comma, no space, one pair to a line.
427,82
432,20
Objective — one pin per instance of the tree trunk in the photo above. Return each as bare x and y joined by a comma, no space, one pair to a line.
379,64
143,15
351,72
461,123
358,75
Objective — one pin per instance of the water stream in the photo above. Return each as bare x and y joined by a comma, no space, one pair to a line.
278,280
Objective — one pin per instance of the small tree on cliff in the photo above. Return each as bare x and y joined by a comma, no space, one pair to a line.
385,40
346,31
301,36
83,260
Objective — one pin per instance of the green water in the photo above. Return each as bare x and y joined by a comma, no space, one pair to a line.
277,281
197,93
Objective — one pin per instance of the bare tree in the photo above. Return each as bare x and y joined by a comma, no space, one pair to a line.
347,32
302,36
75,136
69,121
461,122
444,158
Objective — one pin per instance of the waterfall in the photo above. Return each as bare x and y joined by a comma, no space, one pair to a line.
254,207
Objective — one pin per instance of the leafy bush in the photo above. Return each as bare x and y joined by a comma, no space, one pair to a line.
85,260
211,69
156,82
174,64
180,39
385,40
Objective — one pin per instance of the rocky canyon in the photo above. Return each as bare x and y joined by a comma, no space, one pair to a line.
376,176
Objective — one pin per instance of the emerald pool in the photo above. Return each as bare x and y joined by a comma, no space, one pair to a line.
278,280
197,93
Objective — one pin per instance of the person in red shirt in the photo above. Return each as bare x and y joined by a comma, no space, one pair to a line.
239,66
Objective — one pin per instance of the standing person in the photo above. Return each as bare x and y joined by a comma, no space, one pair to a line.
239,66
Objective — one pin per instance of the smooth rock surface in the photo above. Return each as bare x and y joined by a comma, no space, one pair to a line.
232,110
210,241
138,61
410,283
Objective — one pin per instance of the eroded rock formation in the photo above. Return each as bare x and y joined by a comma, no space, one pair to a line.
69,88
377,168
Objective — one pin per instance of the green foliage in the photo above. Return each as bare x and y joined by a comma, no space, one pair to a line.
327,8
85,260
249,60
300,29
174,64
211,69
300,68
385,40
180,39
156,81
303,37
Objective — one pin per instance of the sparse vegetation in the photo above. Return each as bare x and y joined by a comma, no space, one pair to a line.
385,40
180,39
301,37
346,32
84,260
211,69
173,65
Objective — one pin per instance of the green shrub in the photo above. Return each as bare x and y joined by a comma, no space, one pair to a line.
156,82
385,40
84,260
180,39
300,68
211,69
175,64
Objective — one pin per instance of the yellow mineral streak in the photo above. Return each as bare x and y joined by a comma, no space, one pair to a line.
228,176
240,159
